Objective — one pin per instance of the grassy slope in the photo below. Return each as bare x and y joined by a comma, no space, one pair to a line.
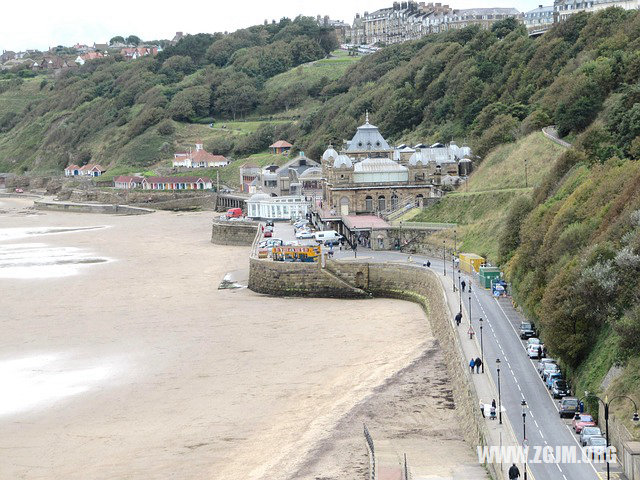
480,208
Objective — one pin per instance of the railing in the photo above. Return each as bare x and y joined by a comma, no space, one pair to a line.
372,454
424,225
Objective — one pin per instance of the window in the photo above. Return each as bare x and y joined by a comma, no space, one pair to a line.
394,201
382,203
368,204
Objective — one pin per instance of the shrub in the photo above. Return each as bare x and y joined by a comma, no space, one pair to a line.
166,127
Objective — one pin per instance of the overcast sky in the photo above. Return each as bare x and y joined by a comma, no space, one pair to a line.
44,23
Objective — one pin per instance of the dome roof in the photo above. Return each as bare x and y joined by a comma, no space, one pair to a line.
329,153
378,165
311,172
416,158
259,196
342,161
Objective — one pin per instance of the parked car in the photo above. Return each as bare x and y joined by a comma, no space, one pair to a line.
526,330
267,233
19,190
596,446
543,362
302,234
568,407
269,223
581,421
234,213
534,341
533,350
331,235
552,377
271,242
549,369
587,433
560,388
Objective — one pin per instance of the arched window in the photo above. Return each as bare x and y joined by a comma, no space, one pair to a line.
344,206
368,203
419,200
382,203
394,201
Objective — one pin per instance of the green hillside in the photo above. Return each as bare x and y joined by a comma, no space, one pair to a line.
481,207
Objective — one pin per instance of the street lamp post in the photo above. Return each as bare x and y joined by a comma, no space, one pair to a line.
524,433
469,311
453,259
499,396
605,403
444,258
481,347
460,290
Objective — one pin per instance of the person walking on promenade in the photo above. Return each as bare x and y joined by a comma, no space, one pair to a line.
472,364
458,318
464,285
514,472
478,364
539,351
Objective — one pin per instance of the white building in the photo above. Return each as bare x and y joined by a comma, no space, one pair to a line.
263,206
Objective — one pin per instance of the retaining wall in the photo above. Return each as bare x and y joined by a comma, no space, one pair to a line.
90,208
224,232
388,280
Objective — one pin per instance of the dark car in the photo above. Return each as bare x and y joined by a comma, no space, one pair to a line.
568,407
269,223
526,330
560,389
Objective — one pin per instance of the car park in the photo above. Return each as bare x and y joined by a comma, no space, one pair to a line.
568,407
587,433
560,388
581,421
526,330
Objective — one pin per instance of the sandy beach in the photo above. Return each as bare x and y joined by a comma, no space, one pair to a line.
132,364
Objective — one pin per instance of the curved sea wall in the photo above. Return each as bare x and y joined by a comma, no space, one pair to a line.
353,278
224,232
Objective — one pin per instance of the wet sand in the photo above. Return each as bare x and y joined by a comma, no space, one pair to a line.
138,367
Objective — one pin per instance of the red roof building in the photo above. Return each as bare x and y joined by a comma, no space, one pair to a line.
199,158
127,182
280,147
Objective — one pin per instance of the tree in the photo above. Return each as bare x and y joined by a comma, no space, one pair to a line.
133,40
504,27
189,103
236,95
116,39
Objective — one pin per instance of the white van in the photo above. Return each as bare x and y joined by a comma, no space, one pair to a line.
327,236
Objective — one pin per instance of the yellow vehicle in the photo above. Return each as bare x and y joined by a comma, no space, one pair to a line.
296,254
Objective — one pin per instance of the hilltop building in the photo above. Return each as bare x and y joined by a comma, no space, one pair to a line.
538,18
369,176
199,158
563,9
411,20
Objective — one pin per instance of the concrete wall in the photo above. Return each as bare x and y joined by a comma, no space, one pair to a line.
162,200
90,208
224,232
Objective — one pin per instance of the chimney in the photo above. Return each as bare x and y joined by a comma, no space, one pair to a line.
198,145
539,6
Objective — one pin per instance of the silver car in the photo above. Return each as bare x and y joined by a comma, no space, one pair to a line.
587,433
543,362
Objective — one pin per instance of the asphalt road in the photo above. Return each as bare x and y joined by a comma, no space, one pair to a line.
519,378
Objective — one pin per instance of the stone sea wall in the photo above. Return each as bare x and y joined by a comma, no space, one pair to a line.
90,208
224,232
359,278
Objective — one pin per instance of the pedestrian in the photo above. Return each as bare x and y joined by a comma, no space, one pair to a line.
539,351
428,264
464,284
482,409
492,412
493,403
472,364
478,364
355,250
514,472
458,318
